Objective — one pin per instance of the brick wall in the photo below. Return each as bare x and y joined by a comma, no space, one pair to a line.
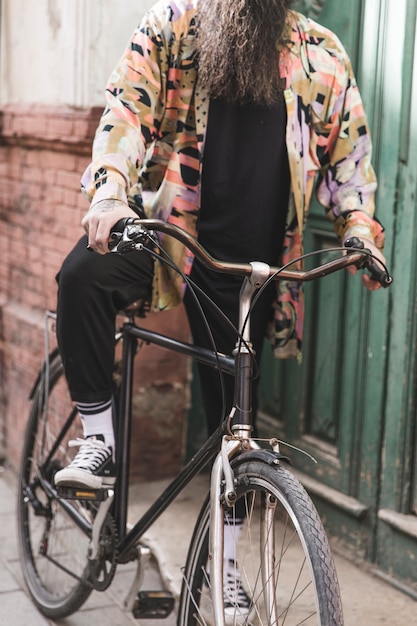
43,152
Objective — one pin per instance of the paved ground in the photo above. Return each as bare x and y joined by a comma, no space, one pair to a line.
367,600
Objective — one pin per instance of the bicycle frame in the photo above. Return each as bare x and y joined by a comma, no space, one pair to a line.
131,333
240,364
240,470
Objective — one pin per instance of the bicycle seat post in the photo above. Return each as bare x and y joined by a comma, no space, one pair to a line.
243,352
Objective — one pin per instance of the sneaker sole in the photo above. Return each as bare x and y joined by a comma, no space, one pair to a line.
80,479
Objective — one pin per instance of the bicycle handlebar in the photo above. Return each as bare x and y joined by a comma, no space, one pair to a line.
127,233
377,272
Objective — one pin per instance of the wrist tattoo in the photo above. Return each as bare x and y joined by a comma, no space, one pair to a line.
108,205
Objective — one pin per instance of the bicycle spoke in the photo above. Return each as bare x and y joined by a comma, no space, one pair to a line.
279,557
53,535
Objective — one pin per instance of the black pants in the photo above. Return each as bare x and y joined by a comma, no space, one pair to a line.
93,288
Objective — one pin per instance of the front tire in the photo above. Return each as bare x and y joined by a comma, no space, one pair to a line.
283,557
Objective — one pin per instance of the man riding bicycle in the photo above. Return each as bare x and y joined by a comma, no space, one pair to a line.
220,117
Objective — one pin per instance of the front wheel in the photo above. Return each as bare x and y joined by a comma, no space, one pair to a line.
283,571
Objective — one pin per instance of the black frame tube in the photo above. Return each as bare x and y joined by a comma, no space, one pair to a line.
131,333
124,428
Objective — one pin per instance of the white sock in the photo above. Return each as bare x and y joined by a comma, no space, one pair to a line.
232,532
97,419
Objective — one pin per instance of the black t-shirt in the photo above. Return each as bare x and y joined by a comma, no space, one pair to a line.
245,182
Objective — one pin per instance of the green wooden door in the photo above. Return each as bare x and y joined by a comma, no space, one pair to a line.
321,404
352,402
396,547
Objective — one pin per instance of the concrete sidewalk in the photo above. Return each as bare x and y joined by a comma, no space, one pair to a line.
367,600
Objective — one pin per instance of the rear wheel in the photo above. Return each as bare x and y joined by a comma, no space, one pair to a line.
283,563
53,534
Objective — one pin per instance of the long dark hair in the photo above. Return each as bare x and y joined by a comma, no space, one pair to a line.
239,42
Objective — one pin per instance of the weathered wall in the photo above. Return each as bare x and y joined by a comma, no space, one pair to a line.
60,52
51,98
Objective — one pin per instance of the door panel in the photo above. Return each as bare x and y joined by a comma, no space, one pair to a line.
332,406
315,396
352,402
397,516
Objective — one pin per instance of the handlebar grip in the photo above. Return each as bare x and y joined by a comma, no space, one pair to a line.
377,273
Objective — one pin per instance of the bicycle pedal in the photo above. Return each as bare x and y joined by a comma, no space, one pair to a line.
77,493
153,604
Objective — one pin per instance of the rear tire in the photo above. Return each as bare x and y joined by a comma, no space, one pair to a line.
52,546
285,565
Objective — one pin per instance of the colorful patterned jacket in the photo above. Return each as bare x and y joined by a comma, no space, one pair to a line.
150,142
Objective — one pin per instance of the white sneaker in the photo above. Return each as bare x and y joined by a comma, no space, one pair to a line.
92,466
238,606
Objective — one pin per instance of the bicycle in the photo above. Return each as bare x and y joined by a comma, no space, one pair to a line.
71,541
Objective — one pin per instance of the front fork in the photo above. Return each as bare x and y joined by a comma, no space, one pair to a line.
216,533
222,488
223,495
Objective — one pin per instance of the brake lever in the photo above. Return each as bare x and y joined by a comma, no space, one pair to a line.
126,235
377,273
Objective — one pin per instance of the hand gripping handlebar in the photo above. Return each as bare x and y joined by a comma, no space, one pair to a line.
131,233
